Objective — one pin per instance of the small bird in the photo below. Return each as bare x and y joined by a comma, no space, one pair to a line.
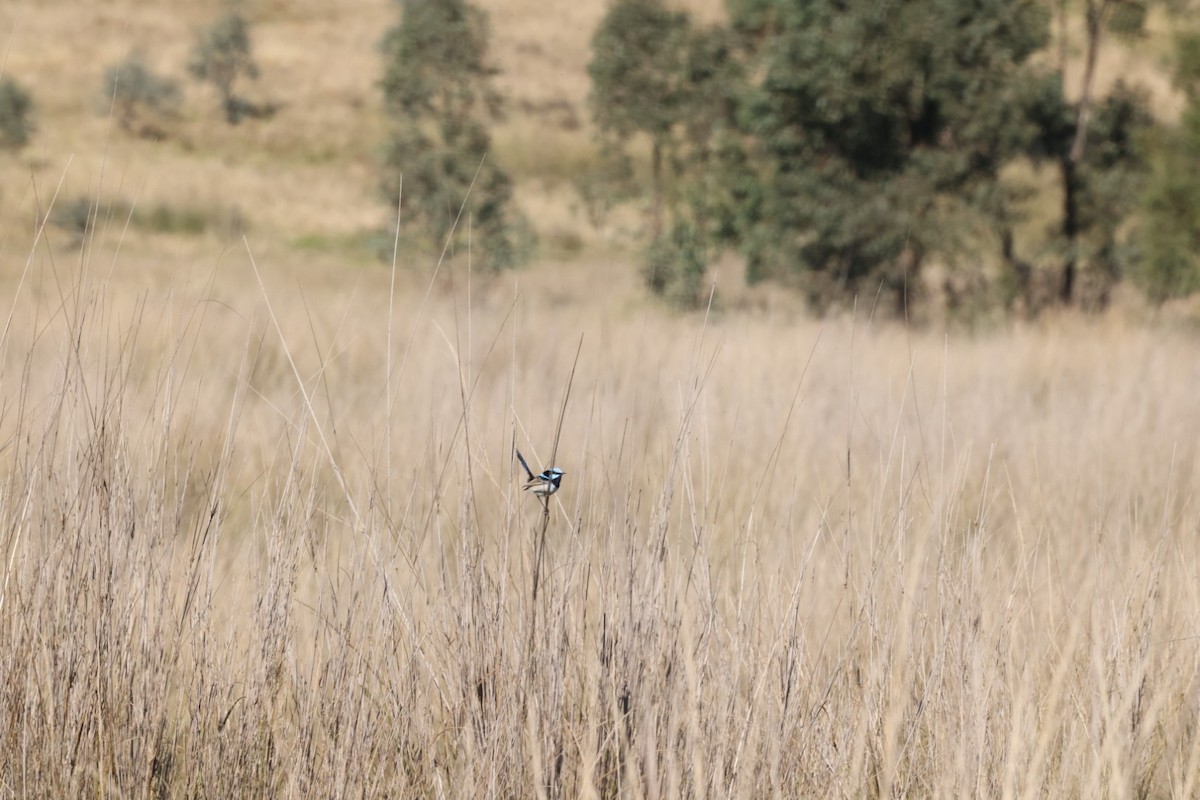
543,484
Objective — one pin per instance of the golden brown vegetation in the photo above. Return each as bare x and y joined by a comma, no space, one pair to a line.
263,536
266,540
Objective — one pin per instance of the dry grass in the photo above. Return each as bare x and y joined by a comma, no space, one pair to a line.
267,541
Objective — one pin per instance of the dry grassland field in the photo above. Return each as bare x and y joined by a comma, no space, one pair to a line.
262,533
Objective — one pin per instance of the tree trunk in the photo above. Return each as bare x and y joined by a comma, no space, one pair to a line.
1095,17
1070,228
1074,157
1021,270
1062,40
909,264
656,220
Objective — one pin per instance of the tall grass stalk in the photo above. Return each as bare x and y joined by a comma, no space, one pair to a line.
883,564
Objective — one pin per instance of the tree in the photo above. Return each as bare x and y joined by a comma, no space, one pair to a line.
638,81
1099,185
869,124
1084,182
141,101
437,90
1170,231
16,115
657,75
220,56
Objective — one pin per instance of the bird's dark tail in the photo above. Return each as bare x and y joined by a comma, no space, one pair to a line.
521,458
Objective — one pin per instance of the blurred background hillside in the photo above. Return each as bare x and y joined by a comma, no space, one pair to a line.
937,160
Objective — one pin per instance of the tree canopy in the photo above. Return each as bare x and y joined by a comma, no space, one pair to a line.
1170,233
437,90
221,55
868,122
842,145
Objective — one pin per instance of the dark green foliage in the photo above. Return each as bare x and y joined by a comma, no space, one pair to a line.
676,262
841,145
16,115
1128,19
1170,237
868,122
1187,65
1114,129
80,217
1170,232
436,87
1050,118
74,216
608,181
655,74
1114,177
1115,158
141,101
637,68
436,61
222,55
1101,189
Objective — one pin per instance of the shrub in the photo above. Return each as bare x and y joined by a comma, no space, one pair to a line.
675,263
141,101
80,216
16,115
221,55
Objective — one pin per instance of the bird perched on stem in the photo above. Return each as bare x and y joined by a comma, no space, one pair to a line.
544,483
